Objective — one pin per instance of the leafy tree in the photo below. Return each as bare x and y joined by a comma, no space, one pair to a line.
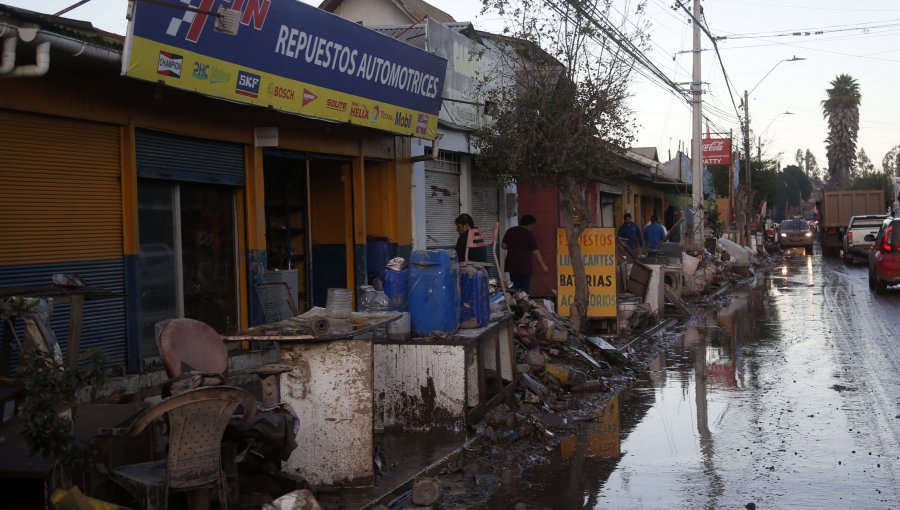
792,186
811,167
841,110
890,163
863,165
564,120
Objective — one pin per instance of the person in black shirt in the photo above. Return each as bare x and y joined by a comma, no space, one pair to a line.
464,223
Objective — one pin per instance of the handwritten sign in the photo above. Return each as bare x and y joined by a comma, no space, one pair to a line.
598,251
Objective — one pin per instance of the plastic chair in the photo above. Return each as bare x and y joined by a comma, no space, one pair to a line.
191,349
196,420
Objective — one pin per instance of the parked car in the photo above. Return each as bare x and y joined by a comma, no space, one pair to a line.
795,233
854,242
884,256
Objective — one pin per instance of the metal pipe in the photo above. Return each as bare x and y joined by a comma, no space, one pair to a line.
8,60
45,40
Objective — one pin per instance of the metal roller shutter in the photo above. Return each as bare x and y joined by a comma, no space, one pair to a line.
441,200
182,158
486,205
60,198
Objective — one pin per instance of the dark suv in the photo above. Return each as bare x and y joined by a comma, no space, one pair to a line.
884,256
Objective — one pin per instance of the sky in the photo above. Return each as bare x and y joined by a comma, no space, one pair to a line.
860,38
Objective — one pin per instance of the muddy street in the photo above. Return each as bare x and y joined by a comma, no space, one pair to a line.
785,397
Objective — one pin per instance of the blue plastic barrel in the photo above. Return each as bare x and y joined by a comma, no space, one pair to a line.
434,291
396,286
378,253
475,307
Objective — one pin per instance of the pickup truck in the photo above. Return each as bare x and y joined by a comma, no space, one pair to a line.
855,244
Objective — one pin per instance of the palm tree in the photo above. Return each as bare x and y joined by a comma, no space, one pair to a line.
841,109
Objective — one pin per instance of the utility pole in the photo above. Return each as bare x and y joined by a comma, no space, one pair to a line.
697,230
749,208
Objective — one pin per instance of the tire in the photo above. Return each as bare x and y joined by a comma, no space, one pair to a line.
871,279
808,250
847,260
880,286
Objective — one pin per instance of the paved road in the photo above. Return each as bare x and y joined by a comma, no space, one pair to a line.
788,397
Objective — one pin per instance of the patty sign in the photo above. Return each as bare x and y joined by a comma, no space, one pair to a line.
717,151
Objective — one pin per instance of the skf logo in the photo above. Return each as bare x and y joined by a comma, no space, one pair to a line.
309,97
169,64
200,71
422,125
247,84
253,12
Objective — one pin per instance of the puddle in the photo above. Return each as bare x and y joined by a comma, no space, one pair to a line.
750,406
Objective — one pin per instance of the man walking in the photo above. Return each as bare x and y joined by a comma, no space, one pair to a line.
521,247
630,232
654,233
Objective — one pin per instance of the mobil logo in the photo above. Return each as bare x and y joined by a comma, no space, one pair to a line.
252,13
247,84
403,119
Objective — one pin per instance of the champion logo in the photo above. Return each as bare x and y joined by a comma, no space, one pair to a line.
308,97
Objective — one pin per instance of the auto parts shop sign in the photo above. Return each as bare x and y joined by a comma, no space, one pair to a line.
598,250
289,56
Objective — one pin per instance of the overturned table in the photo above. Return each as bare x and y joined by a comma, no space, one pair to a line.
331,387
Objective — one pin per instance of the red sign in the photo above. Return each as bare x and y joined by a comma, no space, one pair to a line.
717,151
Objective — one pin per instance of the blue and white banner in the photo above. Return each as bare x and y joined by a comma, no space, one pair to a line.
289,56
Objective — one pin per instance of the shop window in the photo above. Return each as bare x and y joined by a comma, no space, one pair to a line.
188,256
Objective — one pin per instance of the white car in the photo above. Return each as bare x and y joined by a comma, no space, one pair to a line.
855,244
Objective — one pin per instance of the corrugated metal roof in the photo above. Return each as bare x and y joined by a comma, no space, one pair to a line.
80,30
415,10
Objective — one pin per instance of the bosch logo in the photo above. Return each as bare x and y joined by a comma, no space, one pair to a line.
280,92
247,84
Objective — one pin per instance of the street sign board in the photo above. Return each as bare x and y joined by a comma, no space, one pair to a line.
716,151
286,55
598,251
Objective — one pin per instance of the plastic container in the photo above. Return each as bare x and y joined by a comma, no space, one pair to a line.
475,301
339,303
396,286
378,253
400,328
434,291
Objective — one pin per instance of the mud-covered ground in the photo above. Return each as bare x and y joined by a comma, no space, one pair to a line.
528,431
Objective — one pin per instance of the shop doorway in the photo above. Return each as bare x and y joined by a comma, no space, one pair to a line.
331,215
287,225
188,256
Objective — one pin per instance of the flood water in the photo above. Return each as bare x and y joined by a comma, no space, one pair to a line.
782,397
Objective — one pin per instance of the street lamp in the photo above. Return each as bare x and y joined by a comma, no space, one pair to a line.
795,58
773,121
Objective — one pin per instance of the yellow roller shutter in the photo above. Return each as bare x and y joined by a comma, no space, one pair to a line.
60,190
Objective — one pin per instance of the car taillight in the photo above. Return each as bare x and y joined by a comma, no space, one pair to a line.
850,237
888,246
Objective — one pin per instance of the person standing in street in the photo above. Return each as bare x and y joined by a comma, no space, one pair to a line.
521,248
464,223
630,232
654,233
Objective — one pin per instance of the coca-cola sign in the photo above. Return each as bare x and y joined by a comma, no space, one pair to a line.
717,151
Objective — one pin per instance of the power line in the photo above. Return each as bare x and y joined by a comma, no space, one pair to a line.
705,29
